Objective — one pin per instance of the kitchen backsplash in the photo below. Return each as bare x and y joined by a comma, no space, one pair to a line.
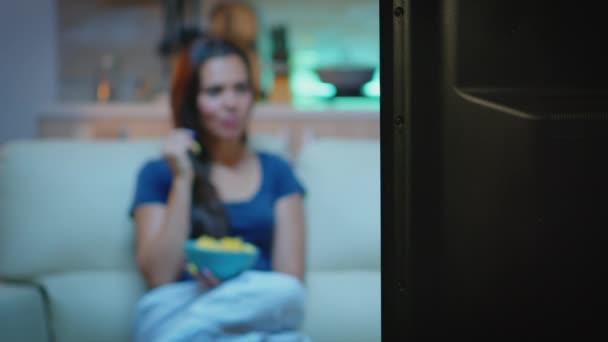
320,33
323,33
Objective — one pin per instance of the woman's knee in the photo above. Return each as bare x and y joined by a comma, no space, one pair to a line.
166,296
290,287
286,293
290,298
282,286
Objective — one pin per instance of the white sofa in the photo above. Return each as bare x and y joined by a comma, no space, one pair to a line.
67,270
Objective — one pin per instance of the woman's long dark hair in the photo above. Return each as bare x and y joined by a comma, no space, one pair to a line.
207,215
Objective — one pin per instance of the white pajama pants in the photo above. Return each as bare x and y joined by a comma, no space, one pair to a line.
253,307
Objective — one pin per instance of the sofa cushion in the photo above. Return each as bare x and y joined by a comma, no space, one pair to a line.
22,314
342,178
64,203
93,306
343,306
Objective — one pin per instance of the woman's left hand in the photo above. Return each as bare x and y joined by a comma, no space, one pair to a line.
207,279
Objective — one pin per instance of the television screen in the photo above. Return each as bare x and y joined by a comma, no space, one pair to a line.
494,184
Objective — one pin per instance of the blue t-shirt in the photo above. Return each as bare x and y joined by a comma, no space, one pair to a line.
251,219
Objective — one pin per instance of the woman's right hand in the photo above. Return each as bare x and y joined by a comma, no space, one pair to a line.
175,150
207,279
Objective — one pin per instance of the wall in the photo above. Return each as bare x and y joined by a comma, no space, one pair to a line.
320,32
28,65
128,31
51,48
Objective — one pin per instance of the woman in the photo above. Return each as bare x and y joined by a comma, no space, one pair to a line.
226,188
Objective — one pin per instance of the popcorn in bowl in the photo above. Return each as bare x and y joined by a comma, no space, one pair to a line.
228,243
226,257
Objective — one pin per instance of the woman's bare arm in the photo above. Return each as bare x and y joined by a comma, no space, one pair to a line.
289,247
161,231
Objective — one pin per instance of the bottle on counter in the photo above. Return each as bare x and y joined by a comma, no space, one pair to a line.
280,92
104,91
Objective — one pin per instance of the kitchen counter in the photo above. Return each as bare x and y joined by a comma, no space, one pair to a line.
329,109
303,120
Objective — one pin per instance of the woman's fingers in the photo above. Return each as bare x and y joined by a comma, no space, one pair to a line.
175,148
182,140
201,280
211,278
179,140
207,279
187,132
195,147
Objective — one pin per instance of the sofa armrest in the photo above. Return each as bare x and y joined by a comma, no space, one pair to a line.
22,313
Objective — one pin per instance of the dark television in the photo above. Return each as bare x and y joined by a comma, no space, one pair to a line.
494,118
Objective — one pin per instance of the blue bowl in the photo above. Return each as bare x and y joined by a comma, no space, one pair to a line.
223,264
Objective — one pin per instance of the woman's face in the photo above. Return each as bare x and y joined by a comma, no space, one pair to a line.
225,97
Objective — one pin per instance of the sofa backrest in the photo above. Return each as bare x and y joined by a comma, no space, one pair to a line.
342,179
64,203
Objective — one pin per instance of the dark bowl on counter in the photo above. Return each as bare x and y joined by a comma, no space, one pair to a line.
347,80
